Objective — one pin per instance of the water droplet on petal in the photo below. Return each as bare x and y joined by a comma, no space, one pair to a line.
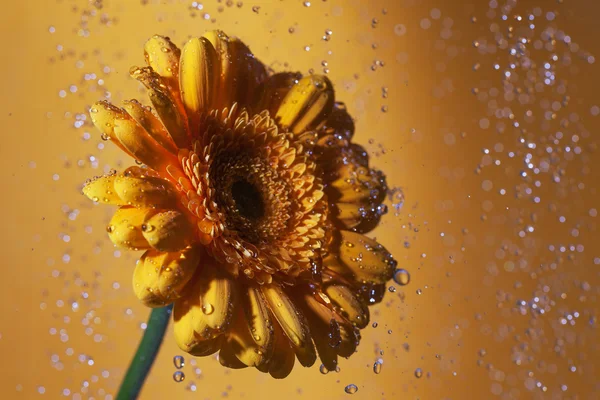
208,309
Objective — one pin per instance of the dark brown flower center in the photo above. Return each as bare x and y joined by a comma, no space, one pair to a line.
248,200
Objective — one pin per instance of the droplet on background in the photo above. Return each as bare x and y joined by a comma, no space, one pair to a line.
179,362
178,376
351,389
377,367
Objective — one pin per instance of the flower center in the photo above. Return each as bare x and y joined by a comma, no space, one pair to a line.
248,200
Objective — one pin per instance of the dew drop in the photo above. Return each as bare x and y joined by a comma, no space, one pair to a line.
323,369
351,389
418,372
208,309
401,277
178,376
178,361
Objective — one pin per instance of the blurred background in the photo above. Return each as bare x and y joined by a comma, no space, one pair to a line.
484,116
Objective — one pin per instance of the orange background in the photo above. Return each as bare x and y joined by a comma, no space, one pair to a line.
70,321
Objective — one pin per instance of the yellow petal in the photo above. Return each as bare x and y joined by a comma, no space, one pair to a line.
243,345
292,321
282,362
218,298
252,333
125,228
258,316
348,214
240,73
349,340
102,190
205,311
286,314
225,80
361,257
145,191
185,336
121,128
198,72
271,93
168,231
307,105
203,348
159,278
167,104
317,314
340,123
227,357
140,172
208,306
151,124
340,334
163,56
248,73
350,305
358,184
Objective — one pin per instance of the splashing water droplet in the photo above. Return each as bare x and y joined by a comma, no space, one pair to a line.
401,277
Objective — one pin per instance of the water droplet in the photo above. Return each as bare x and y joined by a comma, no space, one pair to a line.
323,369
178,376
208,309
109,228
418,372
401,277
178,361
377,367
147,228
419,291
351,389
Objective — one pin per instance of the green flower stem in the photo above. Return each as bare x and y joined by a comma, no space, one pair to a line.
145,354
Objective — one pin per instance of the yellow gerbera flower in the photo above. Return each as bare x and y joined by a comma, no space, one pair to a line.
249,206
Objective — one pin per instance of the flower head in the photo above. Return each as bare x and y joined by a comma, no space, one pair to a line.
251,206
